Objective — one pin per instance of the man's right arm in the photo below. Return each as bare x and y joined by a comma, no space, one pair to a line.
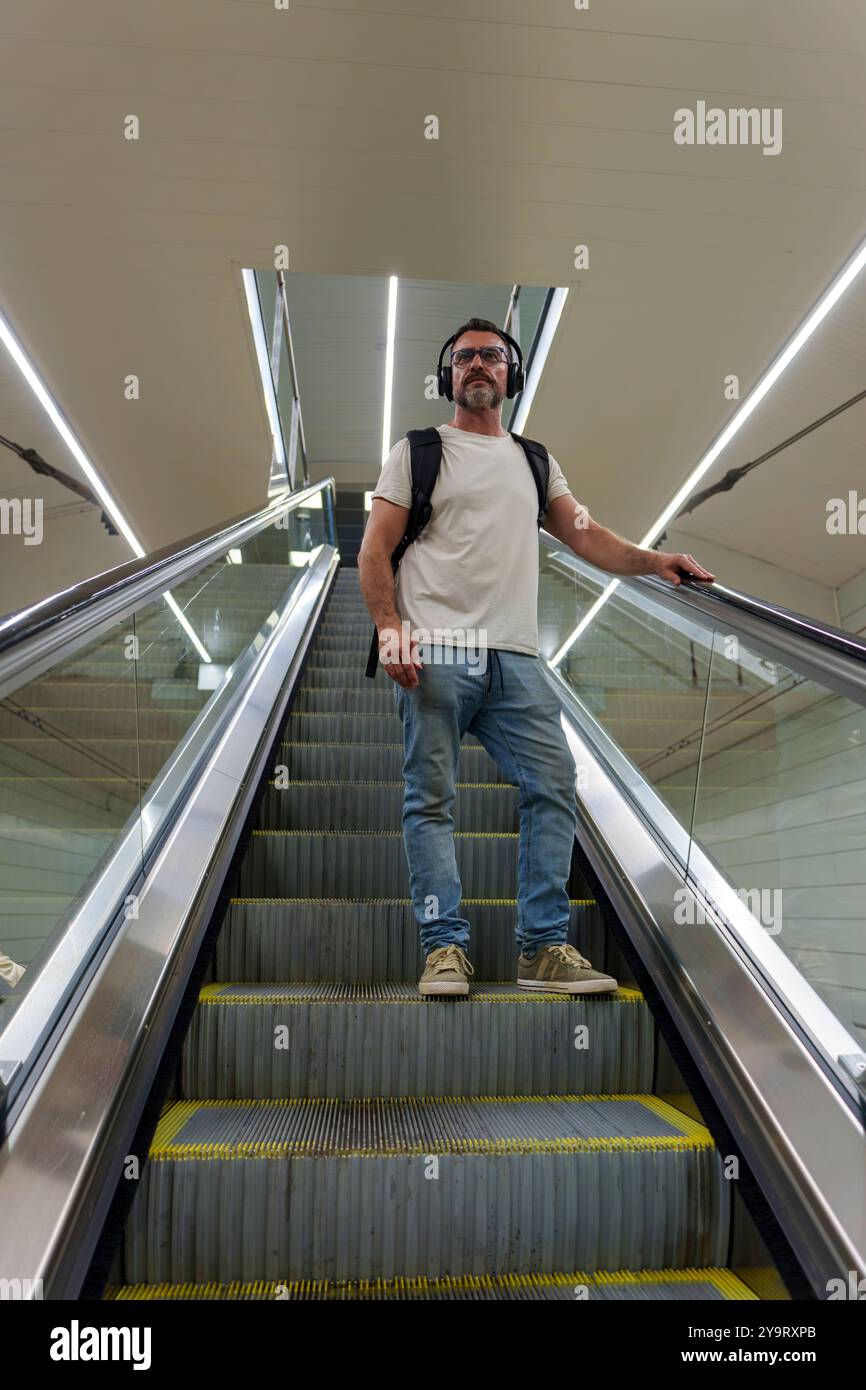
385,529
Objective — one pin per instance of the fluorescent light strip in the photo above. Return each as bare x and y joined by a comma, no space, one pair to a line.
184,622
569,642
545,342
812,321
55,415
263,357
389,366
49,405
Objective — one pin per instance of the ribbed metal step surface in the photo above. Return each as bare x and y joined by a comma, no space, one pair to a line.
350,1041
331,863
380,1188
339,1137
374,762
344,805
352,941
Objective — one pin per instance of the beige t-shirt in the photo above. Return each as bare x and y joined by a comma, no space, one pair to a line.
474,568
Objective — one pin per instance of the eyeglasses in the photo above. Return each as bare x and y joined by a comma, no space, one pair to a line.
492,356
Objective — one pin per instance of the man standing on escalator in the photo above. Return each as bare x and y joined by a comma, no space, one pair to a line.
469,587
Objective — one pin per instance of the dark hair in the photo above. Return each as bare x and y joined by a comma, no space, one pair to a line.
483,326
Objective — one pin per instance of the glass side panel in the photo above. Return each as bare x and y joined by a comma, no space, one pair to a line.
69,782
781,810
641,673
94,751
763,769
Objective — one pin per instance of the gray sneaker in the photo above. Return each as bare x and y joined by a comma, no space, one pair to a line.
447,971
562,970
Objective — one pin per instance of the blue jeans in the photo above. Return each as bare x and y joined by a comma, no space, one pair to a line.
512,709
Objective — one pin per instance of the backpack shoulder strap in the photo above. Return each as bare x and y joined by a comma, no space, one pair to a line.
539,462
426,456
425,448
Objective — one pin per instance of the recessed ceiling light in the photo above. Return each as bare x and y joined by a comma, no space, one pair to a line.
389,366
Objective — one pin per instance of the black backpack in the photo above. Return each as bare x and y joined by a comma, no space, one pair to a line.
426,455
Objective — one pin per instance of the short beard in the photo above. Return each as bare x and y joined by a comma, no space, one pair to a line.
480,395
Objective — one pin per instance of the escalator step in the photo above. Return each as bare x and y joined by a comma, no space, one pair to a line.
355,864
622,1286
374,762
355,642
330,1040
350,727
320,676
350,941
354,805
353,660
379,1188
318,700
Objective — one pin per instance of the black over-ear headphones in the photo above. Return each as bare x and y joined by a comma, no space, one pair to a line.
516,376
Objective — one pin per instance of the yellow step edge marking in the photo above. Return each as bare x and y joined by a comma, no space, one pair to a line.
174,1116
722,1279
307,1148
217,994
763,1282
676,1117
692,1136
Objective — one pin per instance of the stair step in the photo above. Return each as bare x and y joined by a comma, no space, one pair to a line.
378,1189
355,864
345,940
356,642
350,727
355,659
365,699
349,1041
373,762
353,805
321,676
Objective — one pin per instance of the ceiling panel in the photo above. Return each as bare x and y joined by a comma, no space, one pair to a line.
306,128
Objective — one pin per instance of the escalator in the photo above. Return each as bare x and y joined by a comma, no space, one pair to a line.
304,1125
338,1135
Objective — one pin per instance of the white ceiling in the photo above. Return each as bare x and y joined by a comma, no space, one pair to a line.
306,127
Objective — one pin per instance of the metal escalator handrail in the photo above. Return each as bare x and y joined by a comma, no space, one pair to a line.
708,598
840,657
106,596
